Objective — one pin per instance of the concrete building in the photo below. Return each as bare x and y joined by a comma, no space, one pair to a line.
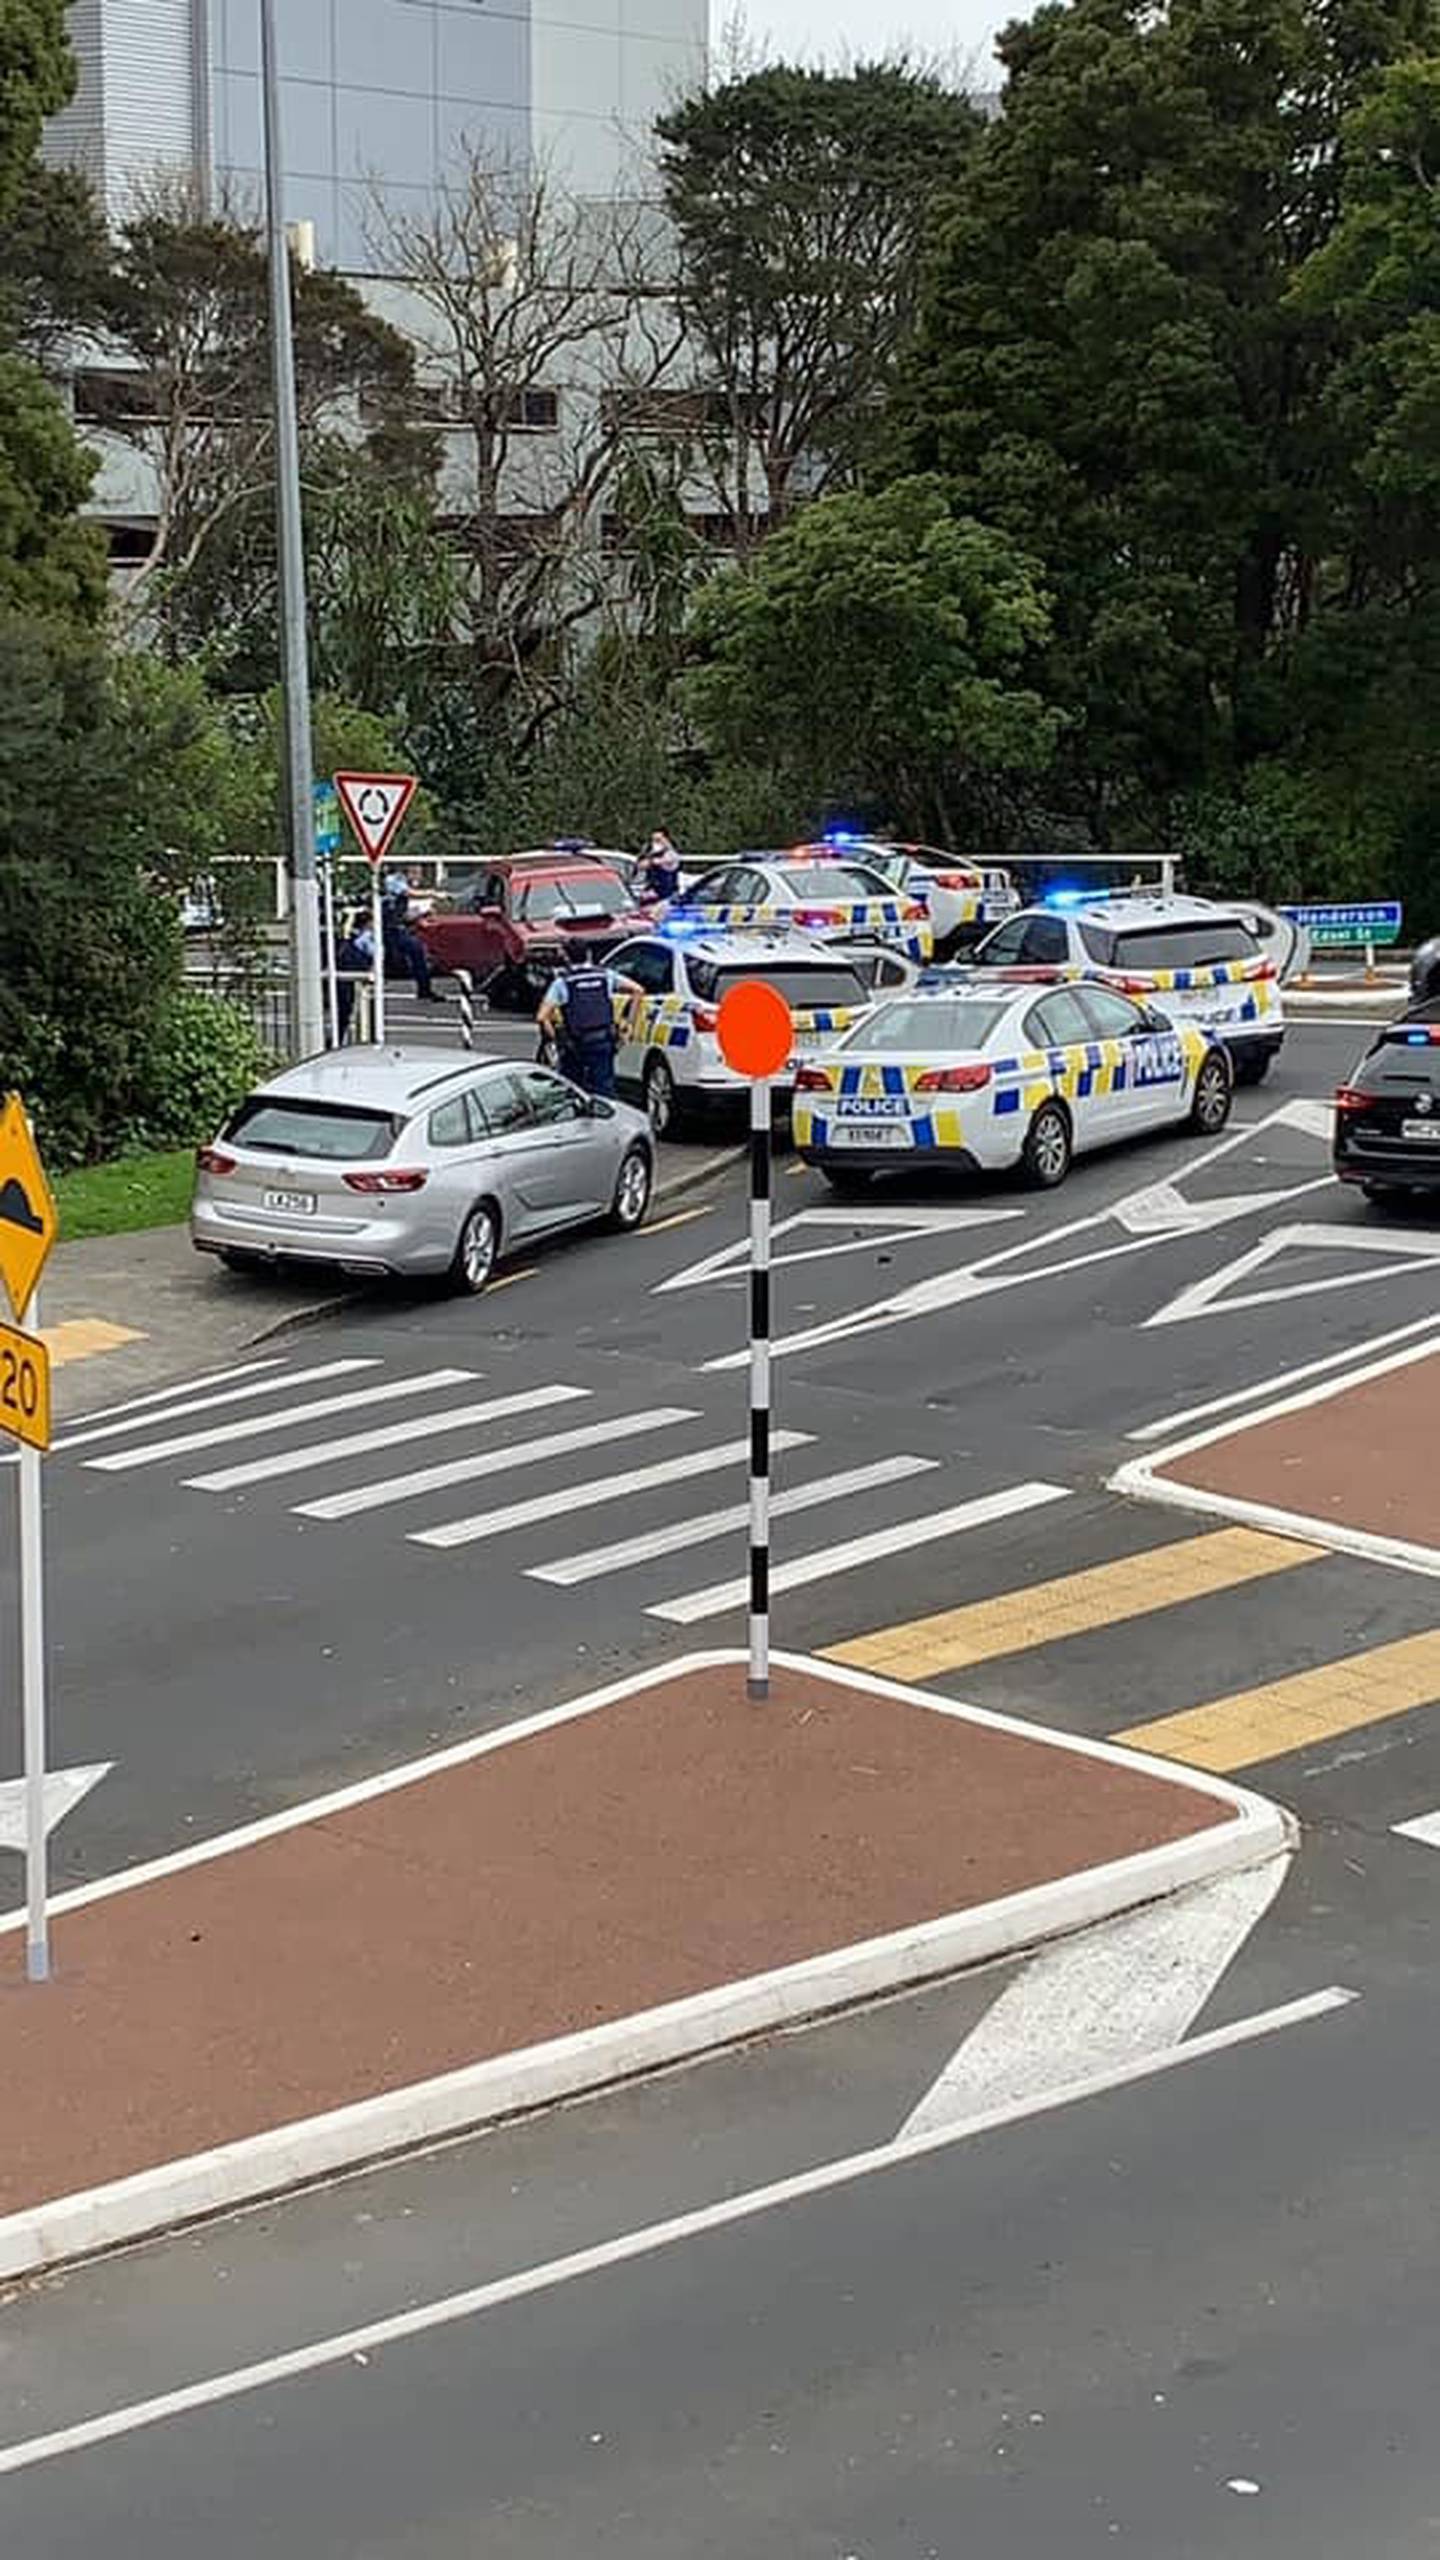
373,92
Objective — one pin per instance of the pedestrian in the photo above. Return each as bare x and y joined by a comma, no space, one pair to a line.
354,959
577,1011
660,878
405,953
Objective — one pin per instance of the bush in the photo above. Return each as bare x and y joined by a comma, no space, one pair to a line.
203,1057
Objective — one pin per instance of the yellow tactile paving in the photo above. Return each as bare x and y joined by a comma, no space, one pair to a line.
1128,1587
81,1337
1289,1715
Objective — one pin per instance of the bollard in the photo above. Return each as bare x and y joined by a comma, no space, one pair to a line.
466,985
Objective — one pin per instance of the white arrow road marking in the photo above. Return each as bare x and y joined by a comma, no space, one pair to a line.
1425,1828
1215,1295
1133,1987
64,1789
1161,1210
883,1226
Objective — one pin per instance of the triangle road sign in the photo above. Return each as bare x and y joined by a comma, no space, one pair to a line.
29,1220
375,804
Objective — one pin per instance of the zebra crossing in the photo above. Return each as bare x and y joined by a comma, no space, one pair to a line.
644,1473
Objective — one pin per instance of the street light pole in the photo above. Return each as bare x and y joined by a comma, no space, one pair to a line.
307,1031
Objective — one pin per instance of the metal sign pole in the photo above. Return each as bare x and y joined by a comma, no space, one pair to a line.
466,984
32,1693
759,1681
333,951
377,929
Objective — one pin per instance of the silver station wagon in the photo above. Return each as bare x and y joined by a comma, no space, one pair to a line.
391,1161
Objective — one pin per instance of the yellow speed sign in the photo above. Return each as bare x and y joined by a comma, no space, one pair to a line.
24,1387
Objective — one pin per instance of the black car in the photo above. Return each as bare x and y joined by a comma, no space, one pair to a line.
1387,1118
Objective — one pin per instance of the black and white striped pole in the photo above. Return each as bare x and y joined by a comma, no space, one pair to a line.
466,985
757,1034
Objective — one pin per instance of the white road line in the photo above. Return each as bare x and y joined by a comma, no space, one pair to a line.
205,1404
1133,1986
1425,1828
896,1540
177,1387
422,2319
667,1541
489,1462
1282,1378
602,1489
154,1450
387,1435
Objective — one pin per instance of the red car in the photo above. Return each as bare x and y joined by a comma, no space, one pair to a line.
526,916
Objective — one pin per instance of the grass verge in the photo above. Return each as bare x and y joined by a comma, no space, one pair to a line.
135,1191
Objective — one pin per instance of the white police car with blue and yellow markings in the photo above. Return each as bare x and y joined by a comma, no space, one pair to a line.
812,889
1197,960
669,1047
984,1072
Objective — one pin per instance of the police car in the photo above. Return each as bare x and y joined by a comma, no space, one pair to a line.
963,897
812,889
1196,960
988,1071
669,1051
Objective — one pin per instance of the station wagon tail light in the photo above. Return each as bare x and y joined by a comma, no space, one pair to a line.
812,1080
410,1177
214,1160
705,1018
969,1079
958,880
1348,1099
818,915
1137,986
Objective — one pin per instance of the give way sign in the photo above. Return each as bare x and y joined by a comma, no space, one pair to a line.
375,804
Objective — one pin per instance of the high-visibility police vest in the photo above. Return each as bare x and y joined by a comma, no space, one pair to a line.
589,1014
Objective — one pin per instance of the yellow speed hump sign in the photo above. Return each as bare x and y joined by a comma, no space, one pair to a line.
29,1219
24,1387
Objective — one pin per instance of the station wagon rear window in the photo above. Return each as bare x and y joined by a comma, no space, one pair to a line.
827,880
334,1132
930,1024
801,987
1195,944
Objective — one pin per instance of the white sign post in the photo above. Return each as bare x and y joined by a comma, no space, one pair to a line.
28,1226
375,804
32,1699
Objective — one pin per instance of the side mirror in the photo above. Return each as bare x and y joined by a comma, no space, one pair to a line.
598,1108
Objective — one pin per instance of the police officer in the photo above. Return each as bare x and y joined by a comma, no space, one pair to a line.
405,953
660,879
578,1012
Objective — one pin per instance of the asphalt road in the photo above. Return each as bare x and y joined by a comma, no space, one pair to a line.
1189,2316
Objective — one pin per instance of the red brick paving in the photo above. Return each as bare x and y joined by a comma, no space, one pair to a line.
1368,1457
676,1840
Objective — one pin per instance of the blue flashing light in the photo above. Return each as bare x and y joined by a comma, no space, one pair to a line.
1068,897
843,835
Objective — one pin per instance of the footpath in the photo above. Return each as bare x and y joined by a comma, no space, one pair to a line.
642,1875
126,1313
1350,1464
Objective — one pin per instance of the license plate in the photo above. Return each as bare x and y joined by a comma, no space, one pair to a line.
879,1133
1423,1133
290,1204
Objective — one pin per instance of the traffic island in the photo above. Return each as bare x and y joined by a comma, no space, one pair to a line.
643,1875
1348,1465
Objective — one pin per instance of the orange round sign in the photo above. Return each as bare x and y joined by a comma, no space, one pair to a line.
756,1028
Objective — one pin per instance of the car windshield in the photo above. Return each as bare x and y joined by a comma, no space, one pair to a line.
802,987
1196,944
827,880
334,1131
930,1023
598,893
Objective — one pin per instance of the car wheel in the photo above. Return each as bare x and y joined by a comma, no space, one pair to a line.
1049,1146
478,1249
1254,1068
661,1101
632,1191
1214,1092
848,1177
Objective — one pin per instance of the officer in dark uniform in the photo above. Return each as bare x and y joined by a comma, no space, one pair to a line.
577,1011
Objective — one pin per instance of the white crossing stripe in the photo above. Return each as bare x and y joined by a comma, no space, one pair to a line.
204,1404
904,1534
491,1462
667,1541
388,1435
584,1497
167,1395
254,1429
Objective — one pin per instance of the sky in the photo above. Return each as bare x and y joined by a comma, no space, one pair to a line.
801,30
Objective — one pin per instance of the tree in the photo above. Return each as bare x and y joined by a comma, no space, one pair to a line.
801,200
1111,365
50,562
37,77
881,647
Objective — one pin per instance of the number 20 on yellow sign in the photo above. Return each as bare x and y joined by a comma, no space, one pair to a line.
24,1387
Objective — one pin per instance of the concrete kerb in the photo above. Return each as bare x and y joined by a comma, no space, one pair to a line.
581,2064
1144,1479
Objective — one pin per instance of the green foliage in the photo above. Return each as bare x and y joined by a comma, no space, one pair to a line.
37,75
50,562
202,1057
882,643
